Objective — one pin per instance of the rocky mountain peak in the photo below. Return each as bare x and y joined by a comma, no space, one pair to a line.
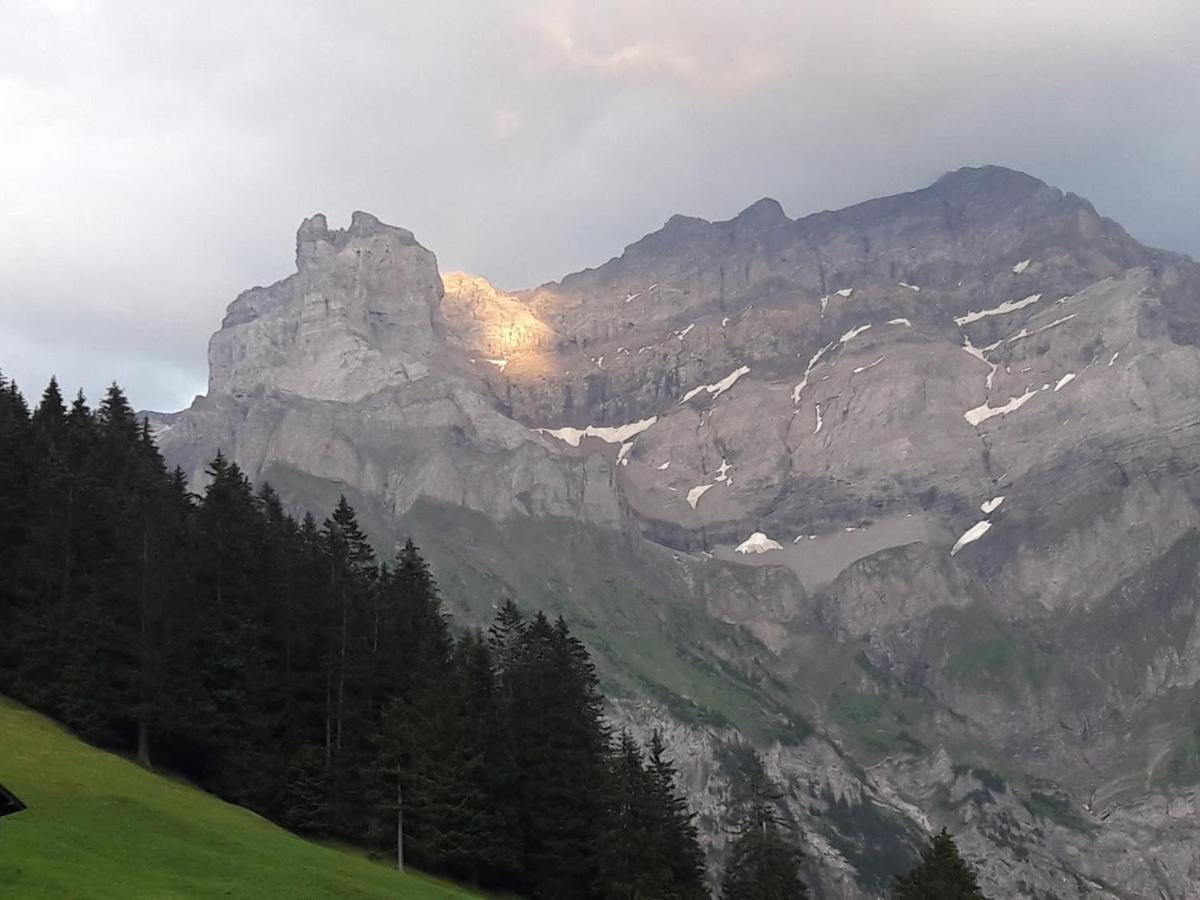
315,240
360,311
982,195
971,179
763,213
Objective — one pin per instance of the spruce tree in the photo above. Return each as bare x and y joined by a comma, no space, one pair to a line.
41,576
225,623
101,678
560,748
631,863
14,512
483,733
422,755
942,874
762,864
674,835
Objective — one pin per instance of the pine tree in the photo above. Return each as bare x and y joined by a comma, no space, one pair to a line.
351,573
482,733
226,622
50,417
504,638
560,746
675,836
942,874
631,863
14,512
101,679
350,560
165,594
40,577
762,864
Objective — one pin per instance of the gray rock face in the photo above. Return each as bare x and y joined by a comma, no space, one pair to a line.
358,315
920,474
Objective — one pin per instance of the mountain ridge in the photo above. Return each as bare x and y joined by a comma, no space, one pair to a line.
957,422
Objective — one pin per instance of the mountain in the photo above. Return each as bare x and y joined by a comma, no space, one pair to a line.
903,494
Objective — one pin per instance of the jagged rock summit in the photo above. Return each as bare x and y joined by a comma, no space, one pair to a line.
358,314
903,493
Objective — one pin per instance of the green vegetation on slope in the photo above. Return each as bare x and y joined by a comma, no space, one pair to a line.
280,665
644,644
99,826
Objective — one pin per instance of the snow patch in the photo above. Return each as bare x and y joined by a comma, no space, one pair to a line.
1064,381
682,334
758,543
853,333
725,322
905,322
619,434
990,506
820,421
1021,266
824,303
1114,358
723,471
845,292
1024,333
623,453
905,284
665,466
719,387
974,533
978,352
1006,307
798,389
862,369
985,412
500,364
694,495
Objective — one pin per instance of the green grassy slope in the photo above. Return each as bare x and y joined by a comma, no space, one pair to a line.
99,826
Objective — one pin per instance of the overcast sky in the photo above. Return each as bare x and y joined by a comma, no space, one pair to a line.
156,157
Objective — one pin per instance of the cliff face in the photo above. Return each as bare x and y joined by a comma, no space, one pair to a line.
904,494
357,316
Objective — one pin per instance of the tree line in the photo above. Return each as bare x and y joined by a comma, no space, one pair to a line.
279,664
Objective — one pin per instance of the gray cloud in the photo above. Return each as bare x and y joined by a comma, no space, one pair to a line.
158,156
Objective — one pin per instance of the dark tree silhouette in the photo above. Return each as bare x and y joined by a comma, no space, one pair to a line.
942,874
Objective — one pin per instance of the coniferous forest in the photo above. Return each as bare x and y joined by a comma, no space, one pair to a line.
281,665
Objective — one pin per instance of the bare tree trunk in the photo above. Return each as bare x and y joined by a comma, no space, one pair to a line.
341,692
143,730
66,565
328,716
399,825
143,744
